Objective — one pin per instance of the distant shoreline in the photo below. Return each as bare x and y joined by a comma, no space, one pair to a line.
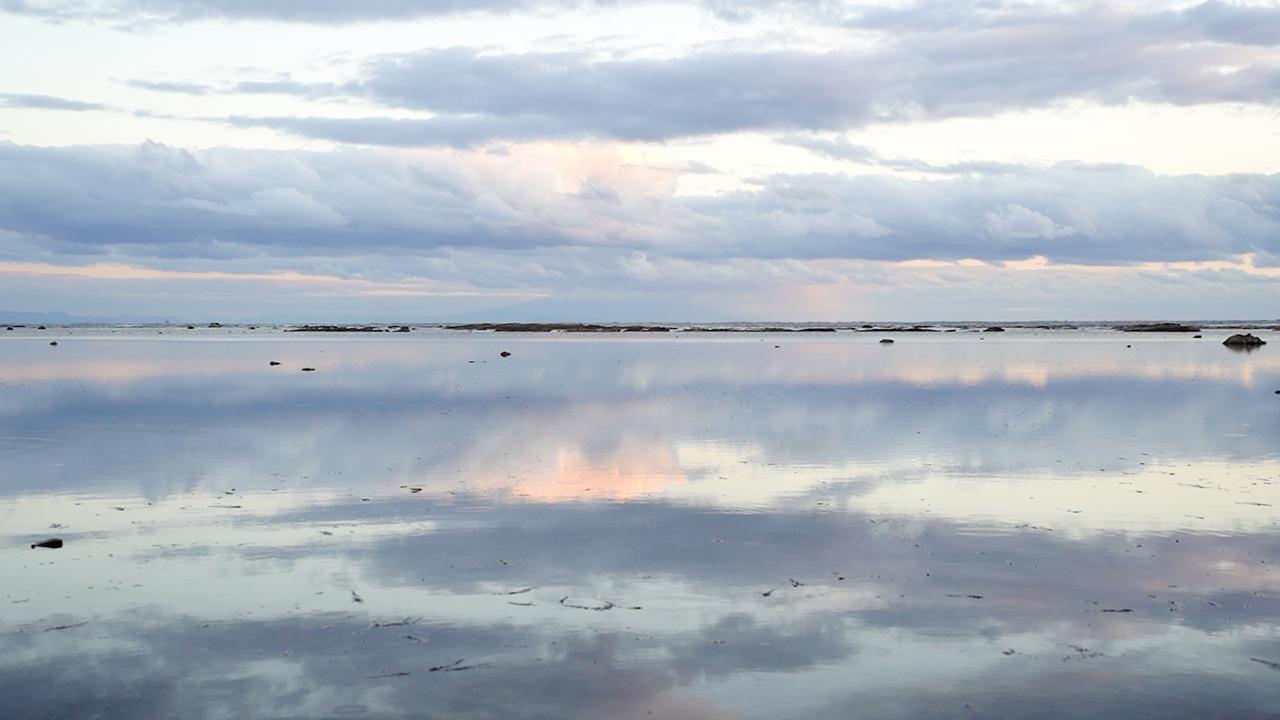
735,327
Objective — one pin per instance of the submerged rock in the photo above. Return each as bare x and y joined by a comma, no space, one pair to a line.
1244,340
52,543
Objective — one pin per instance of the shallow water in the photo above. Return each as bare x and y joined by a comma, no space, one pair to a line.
1048,524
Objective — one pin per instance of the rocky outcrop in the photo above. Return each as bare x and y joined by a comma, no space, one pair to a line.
1158,327
1244,340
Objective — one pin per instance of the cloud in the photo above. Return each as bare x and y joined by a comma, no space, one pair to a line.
1017,222
979,65
185,88
337,12
841,148
46,102
589,211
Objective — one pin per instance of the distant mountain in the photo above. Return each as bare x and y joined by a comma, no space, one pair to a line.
61,318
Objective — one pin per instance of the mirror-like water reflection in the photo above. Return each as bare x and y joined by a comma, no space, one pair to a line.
1041,524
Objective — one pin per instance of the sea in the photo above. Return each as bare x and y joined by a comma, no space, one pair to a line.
799,521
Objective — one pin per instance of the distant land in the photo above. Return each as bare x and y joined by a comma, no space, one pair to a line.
61,318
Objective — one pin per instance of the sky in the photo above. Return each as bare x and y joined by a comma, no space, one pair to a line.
415,160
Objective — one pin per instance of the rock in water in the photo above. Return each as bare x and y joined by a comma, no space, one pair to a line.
53,543
994,328
1158,327
1244,340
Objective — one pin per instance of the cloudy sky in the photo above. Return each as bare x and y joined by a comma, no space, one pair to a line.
638,160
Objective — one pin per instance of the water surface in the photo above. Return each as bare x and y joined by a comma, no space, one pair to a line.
1073,524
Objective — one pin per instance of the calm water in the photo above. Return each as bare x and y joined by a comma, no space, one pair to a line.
1070,524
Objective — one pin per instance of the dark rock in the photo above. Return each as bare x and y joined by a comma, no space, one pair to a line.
886,341
504,353
1158,327
215,325
40,328
402,328
335,328
191,327
1244,340
1196,337
54,343
994,328
52,543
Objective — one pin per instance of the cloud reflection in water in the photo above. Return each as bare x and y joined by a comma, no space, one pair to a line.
607,528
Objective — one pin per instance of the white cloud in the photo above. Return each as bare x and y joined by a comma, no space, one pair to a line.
273,206
1017,222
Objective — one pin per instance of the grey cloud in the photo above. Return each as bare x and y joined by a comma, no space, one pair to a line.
153,201
963,72
451,130
1212,20
700,168
186,88
841,148
339,12
1244,24
46,102
1123,213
